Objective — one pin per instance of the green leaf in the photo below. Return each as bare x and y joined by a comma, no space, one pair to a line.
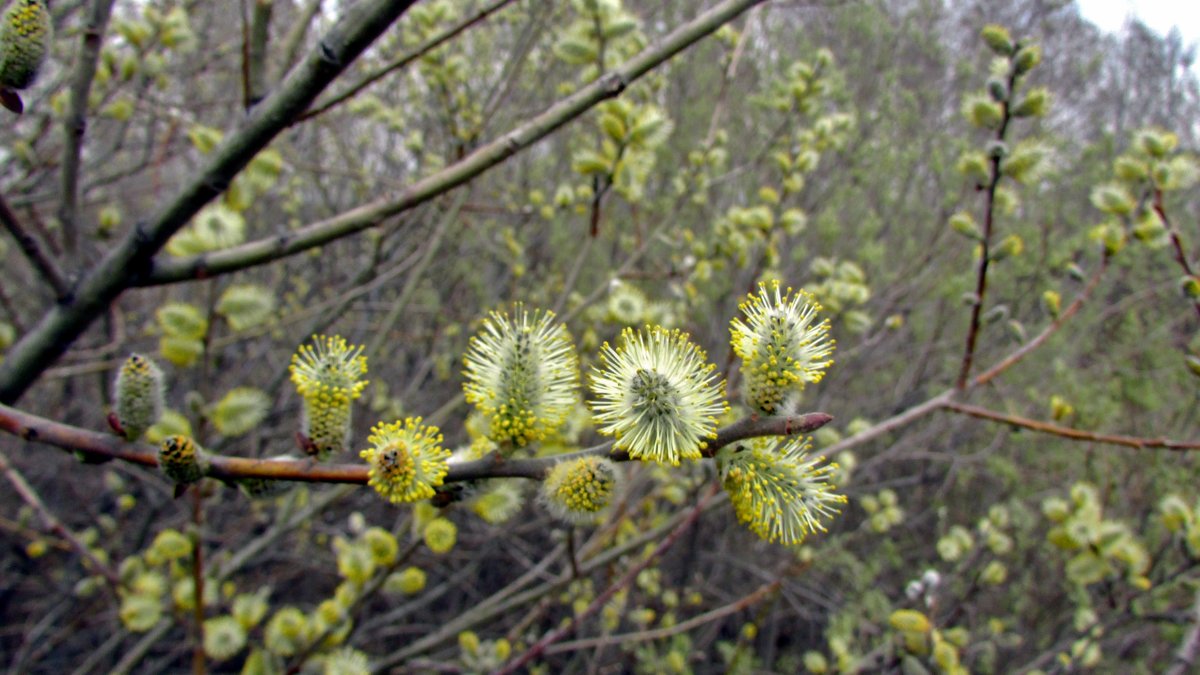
204,138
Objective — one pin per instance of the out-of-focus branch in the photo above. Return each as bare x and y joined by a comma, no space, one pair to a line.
405,59
75,120
132,257
295,35
262,251
52,523
34,250
1176,243
256,52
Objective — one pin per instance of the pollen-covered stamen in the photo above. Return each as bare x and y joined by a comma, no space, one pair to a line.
327,375
580,490
778,490
406,460
522,375
656,395
782,346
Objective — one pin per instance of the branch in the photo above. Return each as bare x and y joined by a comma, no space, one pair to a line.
1058,322
75,120
1176,241
1073,434
99,445
555,635
404,60
273,248
989,220
32,248
52,523
132,257
256,52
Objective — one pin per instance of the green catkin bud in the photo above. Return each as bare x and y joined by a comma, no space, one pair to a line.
580,490
1027,59
1035,103
181,460
25,36
224,637
138,393
998,39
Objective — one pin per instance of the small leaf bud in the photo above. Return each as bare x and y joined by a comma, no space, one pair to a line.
998,39
1027,59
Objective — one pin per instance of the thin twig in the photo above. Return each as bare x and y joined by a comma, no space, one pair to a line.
554,636
985,255
75,120
1176,243
53,524
34,251
1074,434
404,60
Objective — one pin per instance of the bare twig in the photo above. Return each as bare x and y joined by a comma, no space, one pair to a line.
75,119
682,627
1176,243
554,636
985,255
405,59
34,250
1068,432
52,523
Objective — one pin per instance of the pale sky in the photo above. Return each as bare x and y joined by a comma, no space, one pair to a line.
1159,15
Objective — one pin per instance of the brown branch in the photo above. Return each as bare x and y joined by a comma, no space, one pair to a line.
53,524
989,219
106,446
1073,434
33,250
1176,242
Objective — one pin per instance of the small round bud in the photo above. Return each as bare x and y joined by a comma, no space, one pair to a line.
997,89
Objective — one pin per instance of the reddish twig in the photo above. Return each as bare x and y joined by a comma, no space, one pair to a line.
1073,434
1176,242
